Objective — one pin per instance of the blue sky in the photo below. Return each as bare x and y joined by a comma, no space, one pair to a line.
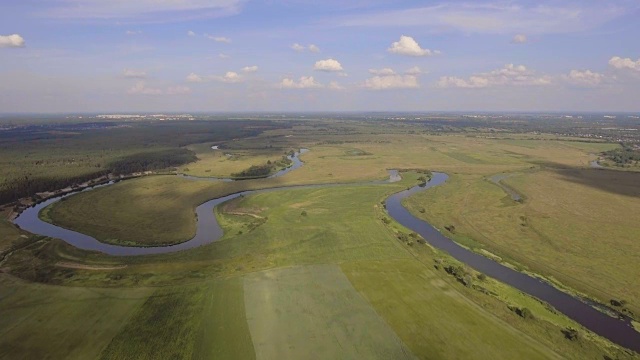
299,55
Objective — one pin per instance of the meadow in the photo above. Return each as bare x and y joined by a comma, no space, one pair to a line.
337,270
324,271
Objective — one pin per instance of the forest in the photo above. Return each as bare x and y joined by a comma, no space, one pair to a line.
45,157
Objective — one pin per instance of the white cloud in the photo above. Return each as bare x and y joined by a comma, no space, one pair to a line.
328,65
142,10
305,82
140,88
497,17
585,78
250,69
519,39
382,72
392,81
11,41
178,90
334,85
408,46
624,63
471,83
415,71
191,33
133,32
230,77
223,56
134,74
220,39
301,48
194,78
510,74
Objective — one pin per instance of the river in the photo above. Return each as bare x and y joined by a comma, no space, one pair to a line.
208,230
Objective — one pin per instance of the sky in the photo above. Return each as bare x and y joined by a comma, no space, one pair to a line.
331,55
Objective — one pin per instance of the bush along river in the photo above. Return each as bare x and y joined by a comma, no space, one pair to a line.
619,331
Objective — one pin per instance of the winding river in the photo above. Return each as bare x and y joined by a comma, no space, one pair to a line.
208,230
619,331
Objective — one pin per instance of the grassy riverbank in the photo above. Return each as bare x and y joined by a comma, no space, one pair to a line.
563,230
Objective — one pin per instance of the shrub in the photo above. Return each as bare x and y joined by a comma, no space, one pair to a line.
570,333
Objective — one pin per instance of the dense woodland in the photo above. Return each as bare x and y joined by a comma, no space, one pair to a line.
259,171
45,157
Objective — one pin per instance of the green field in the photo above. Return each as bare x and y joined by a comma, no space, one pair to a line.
562,230
322,272
295,312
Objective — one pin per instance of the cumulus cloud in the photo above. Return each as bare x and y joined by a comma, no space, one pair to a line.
415,71
409,47
382,72
229,77
134,74
510,74
305,82
584,78
301,48
250,69
334,85
220,39
624,63
140,88
519,39
388,79
298,47
328,65
11,41
392,82
194,78
191,33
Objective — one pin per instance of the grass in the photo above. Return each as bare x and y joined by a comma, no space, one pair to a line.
299,311
216,296
164,327
224,331
563,230
9,235
434,320
338,264
218,163
39,321
169,204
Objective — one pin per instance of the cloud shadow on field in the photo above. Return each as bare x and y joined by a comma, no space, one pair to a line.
625,183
